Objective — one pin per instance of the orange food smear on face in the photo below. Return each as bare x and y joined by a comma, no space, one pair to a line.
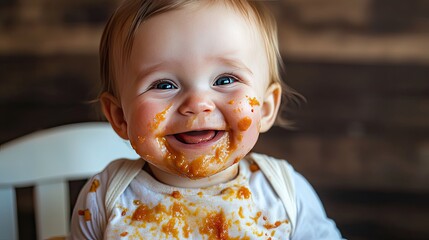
243,193
231,102
95,184
159,117
215,226
201,166
254,167
141,139
253,101
87,215
176,194
244,123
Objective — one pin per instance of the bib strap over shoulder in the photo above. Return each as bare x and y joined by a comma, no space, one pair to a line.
278,172
126,170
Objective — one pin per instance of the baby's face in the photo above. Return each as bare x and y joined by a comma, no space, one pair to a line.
194,89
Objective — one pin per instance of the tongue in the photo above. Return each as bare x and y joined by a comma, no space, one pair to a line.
195,137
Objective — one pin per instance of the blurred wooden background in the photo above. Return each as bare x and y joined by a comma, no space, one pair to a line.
362,139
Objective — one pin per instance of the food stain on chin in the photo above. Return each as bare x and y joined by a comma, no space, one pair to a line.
141,139
202,166
160,117
244,123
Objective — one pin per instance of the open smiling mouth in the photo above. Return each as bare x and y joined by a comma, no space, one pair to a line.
196,137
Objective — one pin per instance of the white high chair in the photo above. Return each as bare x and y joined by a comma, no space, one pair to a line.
47,159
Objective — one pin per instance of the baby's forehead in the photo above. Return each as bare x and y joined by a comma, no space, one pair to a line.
126,35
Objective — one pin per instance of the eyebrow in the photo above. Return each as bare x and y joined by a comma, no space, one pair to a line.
236,63
232,62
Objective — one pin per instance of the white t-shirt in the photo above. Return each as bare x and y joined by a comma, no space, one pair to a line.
244,208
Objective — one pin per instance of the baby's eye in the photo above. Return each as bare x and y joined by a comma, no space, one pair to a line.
163,84
224,80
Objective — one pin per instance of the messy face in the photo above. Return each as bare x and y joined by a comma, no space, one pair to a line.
193,89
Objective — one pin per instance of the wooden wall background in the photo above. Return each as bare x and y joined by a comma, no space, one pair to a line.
362,138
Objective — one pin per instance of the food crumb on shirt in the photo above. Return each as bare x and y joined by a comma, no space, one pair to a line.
254,167
87,215
123,234
124,212
94,185
243,193
176,194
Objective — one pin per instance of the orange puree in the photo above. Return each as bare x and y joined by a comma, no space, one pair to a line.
254,167
215,226
243,193
270,226
169,228
159,117
253,101
95,184
201,166
87,215
141,139
244,123
176,194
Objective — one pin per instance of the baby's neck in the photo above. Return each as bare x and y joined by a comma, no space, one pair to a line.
184,182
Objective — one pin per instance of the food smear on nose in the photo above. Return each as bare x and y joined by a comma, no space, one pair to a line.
159,117
244,123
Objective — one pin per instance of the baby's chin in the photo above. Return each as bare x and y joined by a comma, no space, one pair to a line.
201,166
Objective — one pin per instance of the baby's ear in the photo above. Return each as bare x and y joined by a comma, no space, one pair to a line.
114,114
270,106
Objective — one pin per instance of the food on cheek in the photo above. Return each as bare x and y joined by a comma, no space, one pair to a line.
244,123
159,117
253,101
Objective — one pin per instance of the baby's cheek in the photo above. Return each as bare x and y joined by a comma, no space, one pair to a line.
244,120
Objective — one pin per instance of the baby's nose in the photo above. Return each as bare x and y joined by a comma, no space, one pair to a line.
196,103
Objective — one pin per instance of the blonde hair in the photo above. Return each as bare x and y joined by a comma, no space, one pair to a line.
118,36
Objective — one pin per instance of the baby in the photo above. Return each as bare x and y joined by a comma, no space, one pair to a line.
191,84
